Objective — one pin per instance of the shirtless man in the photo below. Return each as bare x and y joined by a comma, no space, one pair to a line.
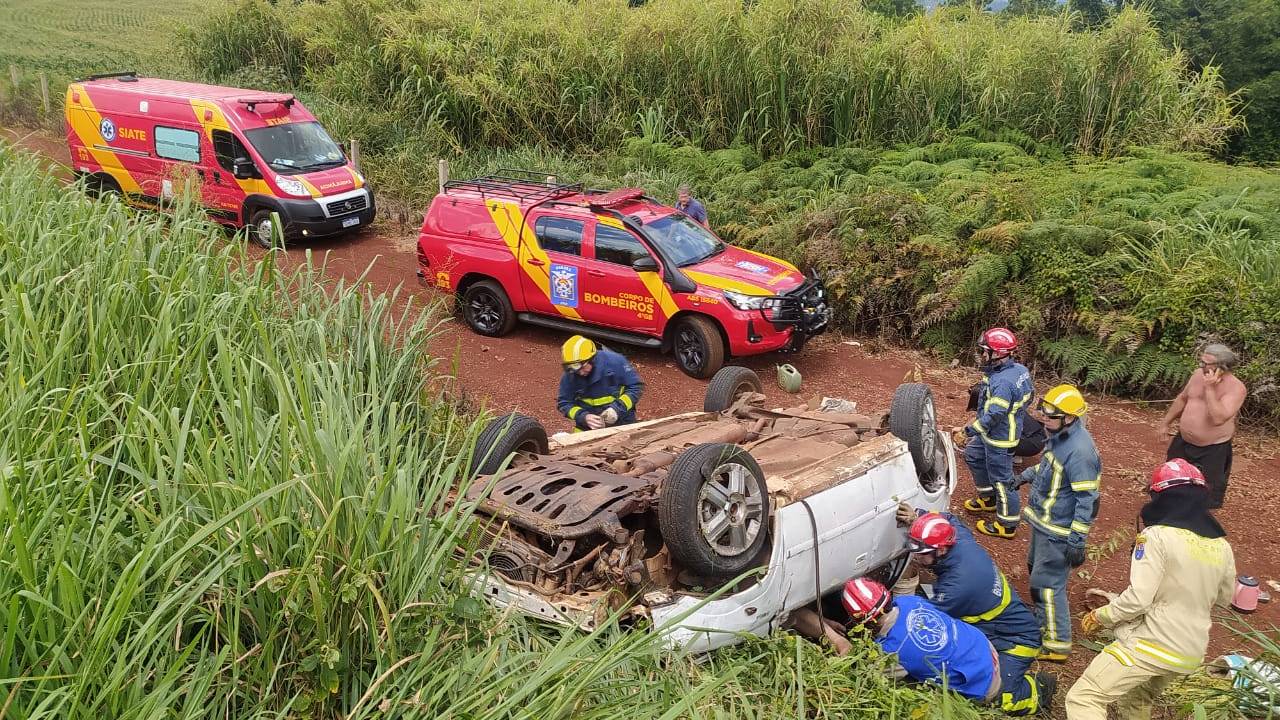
1206,410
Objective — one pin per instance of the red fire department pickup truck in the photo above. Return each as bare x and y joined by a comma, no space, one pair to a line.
617,265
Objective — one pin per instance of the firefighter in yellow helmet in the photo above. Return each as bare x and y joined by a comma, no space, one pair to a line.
1061,507
598,388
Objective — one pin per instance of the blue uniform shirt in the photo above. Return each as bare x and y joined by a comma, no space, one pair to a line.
1002,402
930,645
612,382
694,210
972,589
1064,486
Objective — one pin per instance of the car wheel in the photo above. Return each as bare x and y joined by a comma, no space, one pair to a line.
698,347
728,384
262,229
505,436
487,309
713,510
99,186
913,419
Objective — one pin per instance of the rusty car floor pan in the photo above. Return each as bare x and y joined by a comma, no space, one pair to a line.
561,499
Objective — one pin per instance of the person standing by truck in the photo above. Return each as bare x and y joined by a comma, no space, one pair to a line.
1182,567
1206,412
689,205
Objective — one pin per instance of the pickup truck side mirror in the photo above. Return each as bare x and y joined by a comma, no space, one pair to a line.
644,264
244,169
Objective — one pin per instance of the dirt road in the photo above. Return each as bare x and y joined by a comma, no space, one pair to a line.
520,372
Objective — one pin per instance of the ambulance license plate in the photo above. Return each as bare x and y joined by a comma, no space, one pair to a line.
350,222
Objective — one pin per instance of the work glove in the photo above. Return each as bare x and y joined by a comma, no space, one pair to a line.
1075,555
959,438
594,422
905,514
610,416
1090,623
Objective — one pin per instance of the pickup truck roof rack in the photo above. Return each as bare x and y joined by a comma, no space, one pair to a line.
526,185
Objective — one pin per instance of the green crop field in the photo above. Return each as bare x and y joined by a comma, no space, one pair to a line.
66,37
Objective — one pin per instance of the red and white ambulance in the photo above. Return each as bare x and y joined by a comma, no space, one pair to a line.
251,152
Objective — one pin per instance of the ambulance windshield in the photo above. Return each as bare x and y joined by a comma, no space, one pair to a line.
296,147
682,240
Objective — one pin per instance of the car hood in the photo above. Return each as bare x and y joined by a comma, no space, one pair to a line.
332,181
747,272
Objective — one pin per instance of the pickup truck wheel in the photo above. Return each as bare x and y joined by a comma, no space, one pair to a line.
698,347
913,419
504,436
713,510
728,384
487,309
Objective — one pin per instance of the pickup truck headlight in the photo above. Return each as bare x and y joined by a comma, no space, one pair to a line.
291,186
743,301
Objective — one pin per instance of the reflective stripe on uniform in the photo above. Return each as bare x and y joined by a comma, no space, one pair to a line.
1027,705
573,412
627,402
1165,656
1085,485
1116,652
1051,622
1006,596
1043,524
1055,485
1022,651
598,401
1079,527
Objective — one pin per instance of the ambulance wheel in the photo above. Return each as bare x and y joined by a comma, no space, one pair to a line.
698,347
728,384
487,309
512,434
97,186
262,229
913,419
713,510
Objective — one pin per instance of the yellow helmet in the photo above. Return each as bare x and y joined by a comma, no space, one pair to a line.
1064,399
577,350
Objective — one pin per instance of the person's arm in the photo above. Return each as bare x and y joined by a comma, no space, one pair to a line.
1174,412
994,413
568,405
1146,569
632,389
1085,488
1222,402
1227,590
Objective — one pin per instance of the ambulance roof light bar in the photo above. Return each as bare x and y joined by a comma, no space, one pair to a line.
250,103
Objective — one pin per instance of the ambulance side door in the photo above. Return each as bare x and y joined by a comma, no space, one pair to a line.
557,257
612,292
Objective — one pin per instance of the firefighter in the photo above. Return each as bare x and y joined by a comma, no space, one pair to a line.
599,387
1002,399
1061,507
928,645
969,587
1182,566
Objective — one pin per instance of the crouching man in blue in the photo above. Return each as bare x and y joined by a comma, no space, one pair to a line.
599,387
928,645
971,588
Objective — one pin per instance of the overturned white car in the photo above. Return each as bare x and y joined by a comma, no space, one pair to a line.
652,519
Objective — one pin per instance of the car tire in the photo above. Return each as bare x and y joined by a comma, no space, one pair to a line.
914,420
698,346
261,228
728,383
713,510
504,436
99,186
487,309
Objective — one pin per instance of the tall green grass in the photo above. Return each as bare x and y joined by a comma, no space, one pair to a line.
223,495
781,75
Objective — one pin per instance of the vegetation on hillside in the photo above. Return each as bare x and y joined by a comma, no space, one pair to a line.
223,493
778,75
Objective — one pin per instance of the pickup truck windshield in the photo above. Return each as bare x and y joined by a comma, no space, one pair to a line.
683,240
296,147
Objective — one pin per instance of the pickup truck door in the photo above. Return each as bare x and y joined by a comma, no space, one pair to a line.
552,251
612,292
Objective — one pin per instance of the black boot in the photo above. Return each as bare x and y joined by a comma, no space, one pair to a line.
1046,687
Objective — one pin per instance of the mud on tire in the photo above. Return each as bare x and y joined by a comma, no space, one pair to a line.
913,419
713,510
503,436
728,383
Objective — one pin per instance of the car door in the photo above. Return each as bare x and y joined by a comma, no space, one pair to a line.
557,256
612,292
222,193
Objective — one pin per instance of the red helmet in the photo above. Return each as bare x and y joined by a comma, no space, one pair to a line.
930,532
999,341
865,599
1174,473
